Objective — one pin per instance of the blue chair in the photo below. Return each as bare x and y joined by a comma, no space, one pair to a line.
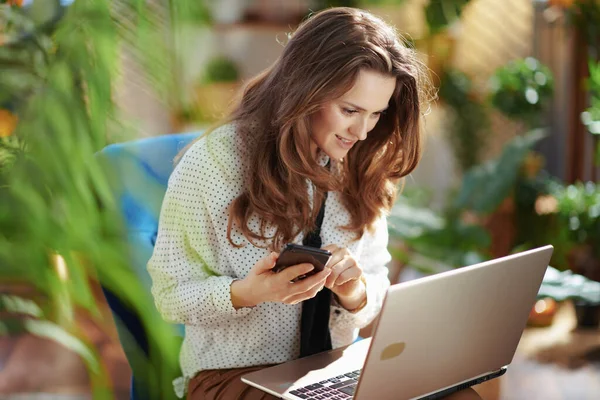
139,172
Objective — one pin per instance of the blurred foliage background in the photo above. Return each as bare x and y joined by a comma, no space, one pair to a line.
78,75
60,227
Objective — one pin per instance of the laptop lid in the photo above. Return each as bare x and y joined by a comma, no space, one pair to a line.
438,331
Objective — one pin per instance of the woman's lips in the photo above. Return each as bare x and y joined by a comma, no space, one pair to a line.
345,143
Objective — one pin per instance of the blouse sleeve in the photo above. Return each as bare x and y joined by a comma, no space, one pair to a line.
373,260
185,286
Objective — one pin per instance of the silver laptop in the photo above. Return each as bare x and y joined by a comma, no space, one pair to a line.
435,336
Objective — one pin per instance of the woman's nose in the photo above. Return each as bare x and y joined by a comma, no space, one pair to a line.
360,129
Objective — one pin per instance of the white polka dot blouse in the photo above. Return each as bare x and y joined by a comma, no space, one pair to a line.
194,264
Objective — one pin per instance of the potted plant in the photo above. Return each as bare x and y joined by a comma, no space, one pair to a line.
521,90
591,117
577,210
458,236
430,241
488,190
559,286
59,221
217,88
468,128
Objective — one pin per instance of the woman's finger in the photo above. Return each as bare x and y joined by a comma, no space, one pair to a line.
309,294
339,268
308,283
265,264
337,255
302,289
331,247
350,274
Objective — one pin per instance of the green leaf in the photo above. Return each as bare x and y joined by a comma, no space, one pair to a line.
435,242
18,305
486,186
521,90
54,197
406,221
50,330
441,13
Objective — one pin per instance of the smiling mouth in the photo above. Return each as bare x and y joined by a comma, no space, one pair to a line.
345,141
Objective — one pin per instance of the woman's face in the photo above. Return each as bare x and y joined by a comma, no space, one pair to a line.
340,123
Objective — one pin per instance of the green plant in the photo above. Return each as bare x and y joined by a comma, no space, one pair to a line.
470,121
568,217
578,217
591,116
192,12
578,206
441,13
535,220
220,69
10,148
584,15
565,285
485,186
435,240
58,67
521,90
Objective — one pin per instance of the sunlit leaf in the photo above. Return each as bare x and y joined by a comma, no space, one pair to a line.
54,332
18,305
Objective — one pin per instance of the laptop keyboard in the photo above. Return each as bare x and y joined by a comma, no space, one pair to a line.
339,388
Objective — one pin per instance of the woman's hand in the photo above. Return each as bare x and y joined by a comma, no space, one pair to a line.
263,285
344,279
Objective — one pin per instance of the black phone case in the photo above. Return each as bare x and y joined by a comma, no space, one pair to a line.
294,254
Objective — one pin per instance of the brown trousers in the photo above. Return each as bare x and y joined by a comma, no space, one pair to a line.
225,384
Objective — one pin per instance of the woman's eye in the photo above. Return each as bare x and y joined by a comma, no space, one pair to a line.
349,111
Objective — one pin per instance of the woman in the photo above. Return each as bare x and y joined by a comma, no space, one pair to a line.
312,154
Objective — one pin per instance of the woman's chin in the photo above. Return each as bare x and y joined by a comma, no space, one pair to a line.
336,154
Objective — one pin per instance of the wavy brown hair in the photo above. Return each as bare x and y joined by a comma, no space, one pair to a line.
320,63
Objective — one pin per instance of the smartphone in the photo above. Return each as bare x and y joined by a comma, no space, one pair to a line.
294,254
